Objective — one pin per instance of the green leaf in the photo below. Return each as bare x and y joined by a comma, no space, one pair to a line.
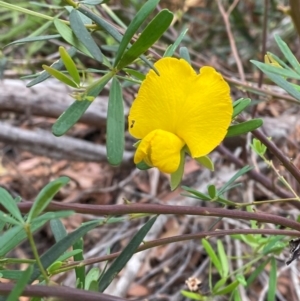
10,205
4,217
258,270
125,255
176,176
44,74
272,281
79,270
193,296
34,39
241,172
20,285
287,53
273,244
241,279
279,61
184,53
11,274
77,109
67,34
15,235
100,21
53,253
91,281
212,191
53,215
143,166
54,266
134,25
228,289
276,70
258,147
58,229
244,127
199,195
148,37
140,76
45,197
84,36
223,258
212,255
170,51
69,64
240,105
115,125
206,162
60,76
281,82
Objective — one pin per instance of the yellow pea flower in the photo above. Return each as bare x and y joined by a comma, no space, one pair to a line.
179,108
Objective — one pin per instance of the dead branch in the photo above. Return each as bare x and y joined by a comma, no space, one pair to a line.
44,143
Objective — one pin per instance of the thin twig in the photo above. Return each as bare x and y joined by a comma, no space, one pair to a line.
233,47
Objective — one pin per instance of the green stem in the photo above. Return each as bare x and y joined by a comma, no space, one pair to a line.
36,14
35,252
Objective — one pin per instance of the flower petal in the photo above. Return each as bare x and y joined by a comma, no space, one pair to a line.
160,149
195,107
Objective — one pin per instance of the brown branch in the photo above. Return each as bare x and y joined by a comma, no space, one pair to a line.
66,293
179,238
113,210
49,99
278,154
44,143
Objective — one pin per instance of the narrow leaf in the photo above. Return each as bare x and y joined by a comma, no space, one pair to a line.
256,272
45,197
240,105
228,289
53,253
212,255
170,51
115,126
276,70
58,229
287,53
61,246
244,127
14,236
53,215
125,255
272,281
69,64
282,83
10,205
67,34
79,271
20,285
176,176
4,217
223,258
77,109
184,53
84,35
159,24
241,172
34,39
206,162
44,74
134,25
60,76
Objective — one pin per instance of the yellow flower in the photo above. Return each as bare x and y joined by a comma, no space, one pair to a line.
179,107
